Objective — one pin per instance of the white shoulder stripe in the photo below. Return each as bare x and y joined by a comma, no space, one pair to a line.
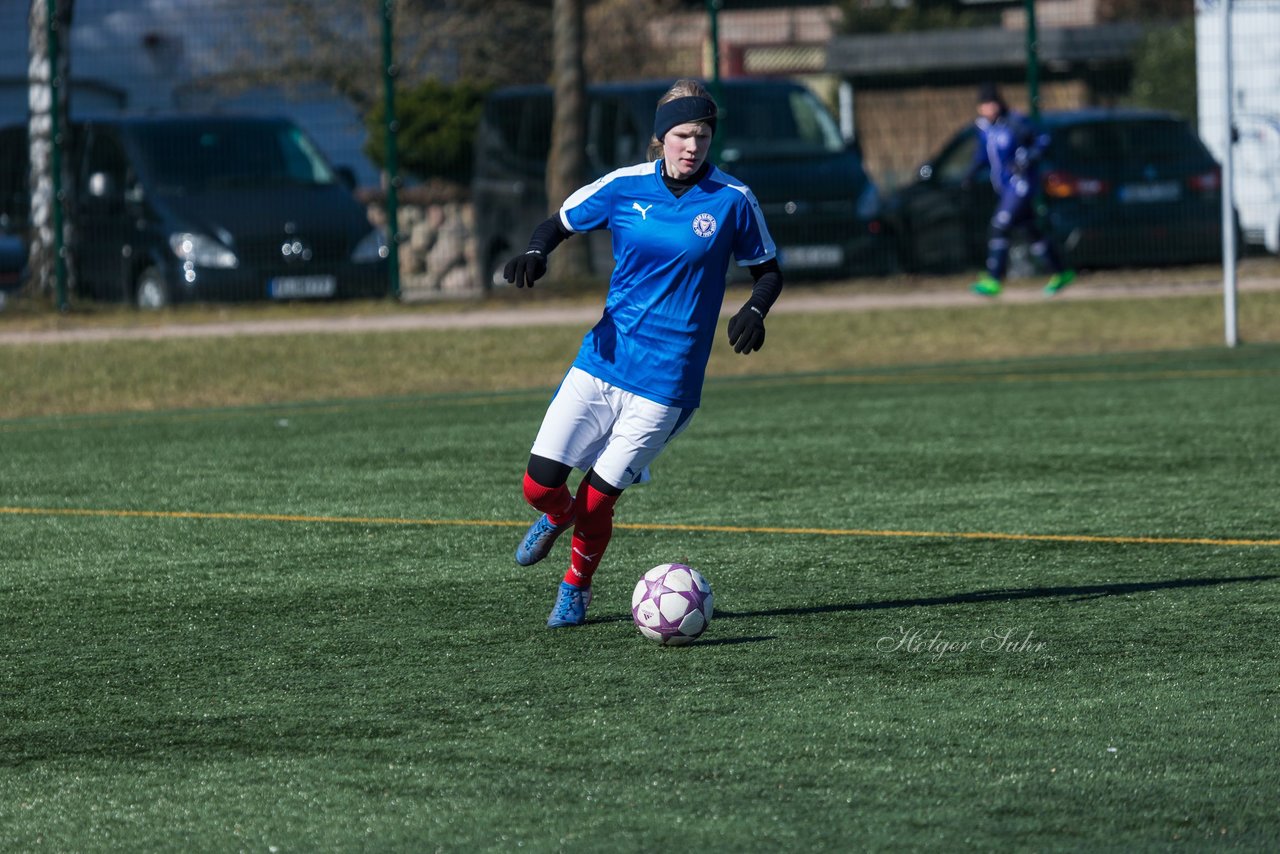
583,193
770,249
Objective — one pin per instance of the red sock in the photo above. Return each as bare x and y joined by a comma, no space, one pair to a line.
591,533
555,501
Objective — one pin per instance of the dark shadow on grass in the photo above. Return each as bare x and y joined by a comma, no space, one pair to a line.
618,618
611,618
1071,594
732,641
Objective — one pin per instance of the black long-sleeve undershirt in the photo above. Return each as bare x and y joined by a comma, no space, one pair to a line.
549,234
767,285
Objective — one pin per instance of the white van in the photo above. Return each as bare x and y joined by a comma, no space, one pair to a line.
1257,179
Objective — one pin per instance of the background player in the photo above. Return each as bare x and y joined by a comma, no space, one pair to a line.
637,379
1011,146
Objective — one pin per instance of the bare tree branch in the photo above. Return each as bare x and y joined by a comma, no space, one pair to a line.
337,43
629,39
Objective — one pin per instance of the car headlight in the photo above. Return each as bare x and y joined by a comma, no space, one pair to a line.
202,251
868,206
372,247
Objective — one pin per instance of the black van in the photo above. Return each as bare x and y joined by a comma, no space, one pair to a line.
776,136
205,208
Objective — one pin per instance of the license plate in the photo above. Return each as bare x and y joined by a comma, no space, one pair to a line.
811,256
1160,191
303,287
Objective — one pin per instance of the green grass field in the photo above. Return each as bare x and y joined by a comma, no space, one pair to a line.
1024,604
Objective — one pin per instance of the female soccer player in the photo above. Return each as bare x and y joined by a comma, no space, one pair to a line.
637,379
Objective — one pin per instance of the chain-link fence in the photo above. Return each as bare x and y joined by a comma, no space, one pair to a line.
205,209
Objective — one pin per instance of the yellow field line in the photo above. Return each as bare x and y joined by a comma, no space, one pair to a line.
713,529
960,535
253,517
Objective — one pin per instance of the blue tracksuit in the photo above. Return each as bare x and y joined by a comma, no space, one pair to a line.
1011,146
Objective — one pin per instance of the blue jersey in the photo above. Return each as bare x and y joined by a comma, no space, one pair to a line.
1011,145
671,256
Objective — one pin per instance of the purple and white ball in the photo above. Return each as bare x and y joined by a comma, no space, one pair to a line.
672,604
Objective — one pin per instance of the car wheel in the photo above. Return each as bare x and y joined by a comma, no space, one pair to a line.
151,292
887,261
903,250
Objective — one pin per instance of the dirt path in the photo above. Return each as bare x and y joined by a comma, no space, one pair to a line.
794,301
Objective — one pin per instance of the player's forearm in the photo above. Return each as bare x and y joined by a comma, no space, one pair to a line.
767,286
549,234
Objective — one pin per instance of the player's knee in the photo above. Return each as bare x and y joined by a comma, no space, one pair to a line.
546,472
541,487
596,499
535,494
602,486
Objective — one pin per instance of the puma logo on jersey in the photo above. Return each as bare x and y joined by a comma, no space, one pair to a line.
644,212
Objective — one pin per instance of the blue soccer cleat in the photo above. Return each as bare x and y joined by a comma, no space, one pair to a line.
538,540
571,606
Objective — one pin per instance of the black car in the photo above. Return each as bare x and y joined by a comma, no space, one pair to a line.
1118,188
13,265
775,136
188,208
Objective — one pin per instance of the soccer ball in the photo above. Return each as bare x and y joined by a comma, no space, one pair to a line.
672,604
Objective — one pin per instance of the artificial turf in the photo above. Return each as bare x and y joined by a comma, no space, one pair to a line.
996,605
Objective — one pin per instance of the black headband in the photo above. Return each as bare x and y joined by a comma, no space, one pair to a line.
682,111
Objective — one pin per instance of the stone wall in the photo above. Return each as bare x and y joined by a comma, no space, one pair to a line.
437,241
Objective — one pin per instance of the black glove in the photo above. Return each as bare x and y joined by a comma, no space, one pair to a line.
746,330
525,269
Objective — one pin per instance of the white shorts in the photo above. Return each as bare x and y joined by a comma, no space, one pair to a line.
592,424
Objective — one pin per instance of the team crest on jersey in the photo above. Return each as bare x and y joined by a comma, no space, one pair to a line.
704,225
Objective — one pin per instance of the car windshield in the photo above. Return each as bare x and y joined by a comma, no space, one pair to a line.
774,122
188,157
1152,141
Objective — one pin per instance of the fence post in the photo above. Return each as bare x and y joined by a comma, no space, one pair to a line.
392,126
1227,187
713,25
